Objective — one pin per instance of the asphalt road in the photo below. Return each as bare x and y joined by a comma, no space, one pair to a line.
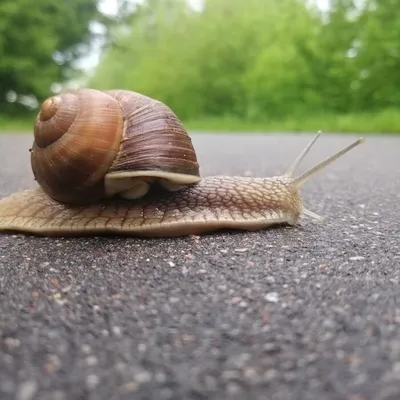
310,312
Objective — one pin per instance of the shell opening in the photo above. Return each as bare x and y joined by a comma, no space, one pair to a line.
139,190
170,185
135,184
128,188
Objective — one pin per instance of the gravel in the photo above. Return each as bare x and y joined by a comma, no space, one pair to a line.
303,313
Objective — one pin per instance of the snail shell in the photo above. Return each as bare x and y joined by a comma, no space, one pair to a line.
91,144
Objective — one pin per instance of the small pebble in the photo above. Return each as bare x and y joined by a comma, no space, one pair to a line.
116,330
129,387
85,349
143,377
357,258
92,381
26,390
174,300
12,343
272,297
270,279
91,360
236,300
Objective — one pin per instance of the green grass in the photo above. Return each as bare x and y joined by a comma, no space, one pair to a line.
24,124
387,121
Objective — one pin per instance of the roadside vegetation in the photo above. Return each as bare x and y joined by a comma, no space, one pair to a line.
259,65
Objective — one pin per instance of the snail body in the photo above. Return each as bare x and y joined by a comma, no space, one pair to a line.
117,162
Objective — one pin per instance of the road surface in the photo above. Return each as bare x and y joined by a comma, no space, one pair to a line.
301,313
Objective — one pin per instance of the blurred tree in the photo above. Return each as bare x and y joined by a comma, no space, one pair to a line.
377,53
278,80
150,53
250,59
228,59
330,56
39,44
356,60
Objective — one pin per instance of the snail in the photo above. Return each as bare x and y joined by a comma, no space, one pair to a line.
119,162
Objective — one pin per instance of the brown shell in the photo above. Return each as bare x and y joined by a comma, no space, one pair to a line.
77,137
154,139
90,144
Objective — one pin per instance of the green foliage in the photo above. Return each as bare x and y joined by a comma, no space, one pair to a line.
226,60
38,44
387,121
379,55
259,59
241,62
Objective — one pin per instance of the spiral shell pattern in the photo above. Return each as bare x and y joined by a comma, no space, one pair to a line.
77,137
91,144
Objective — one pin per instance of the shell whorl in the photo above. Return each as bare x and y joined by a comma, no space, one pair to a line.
91,144
77,136
153,139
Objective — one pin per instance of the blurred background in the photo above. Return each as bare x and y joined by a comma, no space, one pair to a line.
221,65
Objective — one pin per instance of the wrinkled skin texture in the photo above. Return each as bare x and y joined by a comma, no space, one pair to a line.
217,202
